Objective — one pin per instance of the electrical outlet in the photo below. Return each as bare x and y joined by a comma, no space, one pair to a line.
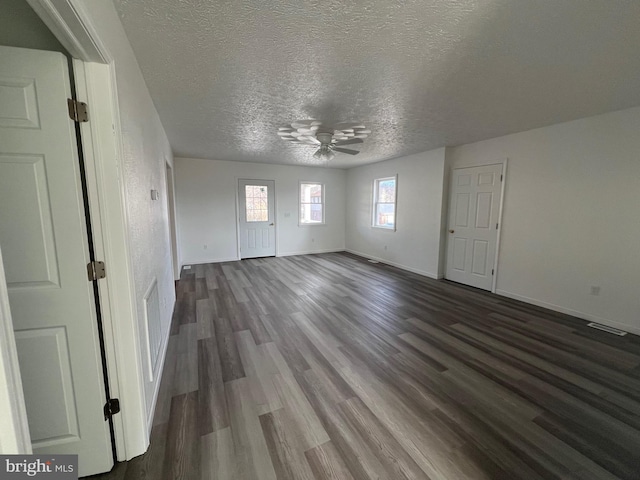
595,290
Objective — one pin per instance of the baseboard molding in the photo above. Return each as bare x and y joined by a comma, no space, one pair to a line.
435,276
569,311
158,377
207,260
310,252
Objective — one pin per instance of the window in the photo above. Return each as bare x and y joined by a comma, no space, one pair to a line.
256,203
311,203
384,202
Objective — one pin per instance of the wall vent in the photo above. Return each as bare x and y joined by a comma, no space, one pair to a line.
607,329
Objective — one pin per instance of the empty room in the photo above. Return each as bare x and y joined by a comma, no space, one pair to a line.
320,240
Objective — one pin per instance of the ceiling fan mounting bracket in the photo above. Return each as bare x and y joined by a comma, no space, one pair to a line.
324,138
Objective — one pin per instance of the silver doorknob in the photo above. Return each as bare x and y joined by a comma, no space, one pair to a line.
451,231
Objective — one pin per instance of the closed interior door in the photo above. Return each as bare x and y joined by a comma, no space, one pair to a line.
256,199
45,246
474,206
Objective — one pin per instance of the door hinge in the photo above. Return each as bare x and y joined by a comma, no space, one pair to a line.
500,177
496,226
96,271
492,271
111,408
78,111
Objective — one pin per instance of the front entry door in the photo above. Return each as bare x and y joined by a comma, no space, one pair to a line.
256,199
474,207
45,246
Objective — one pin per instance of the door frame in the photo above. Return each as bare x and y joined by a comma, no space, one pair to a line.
171,208
102,148
275,213
504,163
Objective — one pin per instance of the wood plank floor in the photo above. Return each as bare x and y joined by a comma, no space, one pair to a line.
330,367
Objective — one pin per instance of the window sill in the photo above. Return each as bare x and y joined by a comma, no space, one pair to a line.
391,229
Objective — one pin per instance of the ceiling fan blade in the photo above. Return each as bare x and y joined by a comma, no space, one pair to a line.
348,151
314,140
318,153
351,141
367,131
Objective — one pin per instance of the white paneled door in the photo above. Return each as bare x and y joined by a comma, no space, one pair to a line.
474,208
44,241
256,200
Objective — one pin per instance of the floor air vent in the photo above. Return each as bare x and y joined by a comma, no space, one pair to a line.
604,328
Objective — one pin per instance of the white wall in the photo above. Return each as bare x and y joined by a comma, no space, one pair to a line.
206,203
571,215
21,27
145,150
416,243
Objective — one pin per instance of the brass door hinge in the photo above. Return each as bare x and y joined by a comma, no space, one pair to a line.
96,271
78,111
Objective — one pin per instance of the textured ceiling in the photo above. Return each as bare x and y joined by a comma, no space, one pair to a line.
421,74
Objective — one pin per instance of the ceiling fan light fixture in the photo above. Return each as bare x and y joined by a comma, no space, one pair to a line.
327,140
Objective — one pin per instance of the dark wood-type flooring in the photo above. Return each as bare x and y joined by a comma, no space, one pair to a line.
330,367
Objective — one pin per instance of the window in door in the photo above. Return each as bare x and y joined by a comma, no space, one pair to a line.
256,203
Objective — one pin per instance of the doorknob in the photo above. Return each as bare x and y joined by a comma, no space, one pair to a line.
451,231
271,224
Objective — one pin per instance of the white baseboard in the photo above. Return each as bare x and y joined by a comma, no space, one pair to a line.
201,261
310,252
158,377
569,311
435,276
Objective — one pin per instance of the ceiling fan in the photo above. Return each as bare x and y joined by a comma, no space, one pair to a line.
328,140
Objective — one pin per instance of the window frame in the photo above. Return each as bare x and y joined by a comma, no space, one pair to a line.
375,203
322,202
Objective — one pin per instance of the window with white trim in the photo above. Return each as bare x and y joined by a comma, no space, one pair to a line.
311,203
384,202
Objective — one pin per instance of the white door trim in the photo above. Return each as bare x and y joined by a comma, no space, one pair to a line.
67,20
103,149
107,205
494,285
171,207
504,163
14,427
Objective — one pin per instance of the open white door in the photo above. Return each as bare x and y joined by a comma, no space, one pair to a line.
256,200
474,209
45,245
